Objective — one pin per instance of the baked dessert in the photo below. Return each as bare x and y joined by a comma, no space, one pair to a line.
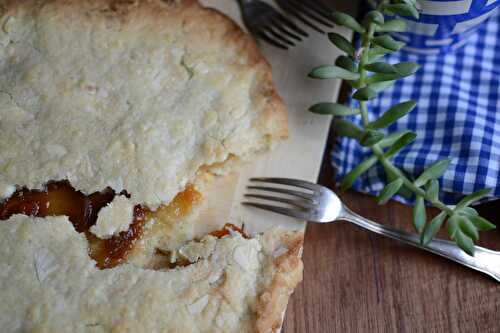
112,114
136,95
49,284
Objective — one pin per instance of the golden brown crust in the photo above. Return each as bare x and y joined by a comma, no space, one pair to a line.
267,122
228,94
236,284
275,119
286,272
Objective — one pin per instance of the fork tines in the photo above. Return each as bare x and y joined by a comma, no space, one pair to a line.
272,26
298,202
308,12
271,34
266,22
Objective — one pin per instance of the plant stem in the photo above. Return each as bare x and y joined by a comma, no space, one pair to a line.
408,183
366,43
377,150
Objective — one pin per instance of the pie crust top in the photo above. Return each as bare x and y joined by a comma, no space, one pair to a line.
128,94
109,111
49,284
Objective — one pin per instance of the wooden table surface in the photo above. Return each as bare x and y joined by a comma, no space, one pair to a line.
356,281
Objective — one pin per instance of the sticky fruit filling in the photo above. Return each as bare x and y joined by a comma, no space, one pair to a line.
60,198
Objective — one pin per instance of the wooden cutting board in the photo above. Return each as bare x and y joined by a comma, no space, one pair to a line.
298,157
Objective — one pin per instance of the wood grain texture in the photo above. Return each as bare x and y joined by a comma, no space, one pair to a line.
356,281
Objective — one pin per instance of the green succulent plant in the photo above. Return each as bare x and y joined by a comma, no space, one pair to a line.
365,71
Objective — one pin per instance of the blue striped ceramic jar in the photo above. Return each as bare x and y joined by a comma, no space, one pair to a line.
445,25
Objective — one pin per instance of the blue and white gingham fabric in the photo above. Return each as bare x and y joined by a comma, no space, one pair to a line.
458,116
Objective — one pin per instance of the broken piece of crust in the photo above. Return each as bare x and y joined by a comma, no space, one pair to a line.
135,95
237,284
143,96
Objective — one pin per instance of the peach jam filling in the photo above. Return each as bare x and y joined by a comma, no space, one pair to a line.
60,198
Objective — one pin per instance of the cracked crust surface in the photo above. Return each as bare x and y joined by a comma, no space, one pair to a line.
136,95
237,284
143,96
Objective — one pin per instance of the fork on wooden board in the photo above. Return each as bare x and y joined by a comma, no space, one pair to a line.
315,203
267,23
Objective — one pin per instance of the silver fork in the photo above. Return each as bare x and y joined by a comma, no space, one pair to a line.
308,12
265,22
312,202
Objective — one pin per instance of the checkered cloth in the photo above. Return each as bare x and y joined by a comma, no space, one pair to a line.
458,116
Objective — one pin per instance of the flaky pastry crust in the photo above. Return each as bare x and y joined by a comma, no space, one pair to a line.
49,284
135,95
144,96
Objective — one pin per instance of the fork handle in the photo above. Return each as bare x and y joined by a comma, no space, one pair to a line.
484,260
